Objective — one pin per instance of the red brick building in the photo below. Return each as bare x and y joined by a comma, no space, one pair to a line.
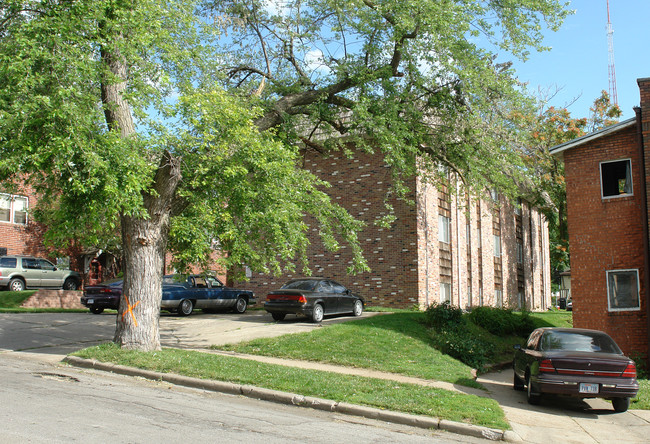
471,253
607,209
19,234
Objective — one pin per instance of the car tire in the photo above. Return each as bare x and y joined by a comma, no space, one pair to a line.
621,404
96,310
186,307
518,383
532,398
240,305
278,316
70,284
317,314
358,308
16,285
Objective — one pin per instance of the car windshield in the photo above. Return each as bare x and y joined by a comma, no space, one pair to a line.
578,341
301,285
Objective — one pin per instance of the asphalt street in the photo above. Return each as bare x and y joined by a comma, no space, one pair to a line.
44,401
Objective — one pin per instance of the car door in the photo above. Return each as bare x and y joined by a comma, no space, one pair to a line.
344,300
31,271
327,295
50,276
525,356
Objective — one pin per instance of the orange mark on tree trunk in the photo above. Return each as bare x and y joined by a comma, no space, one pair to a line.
129,310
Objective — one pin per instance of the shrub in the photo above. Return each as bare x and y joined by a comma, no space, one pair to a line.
469,350
443,317
501,321
641,366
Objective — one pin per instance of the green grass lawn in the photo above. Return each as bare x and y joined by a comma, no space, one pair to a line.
378,393
13,299
397,343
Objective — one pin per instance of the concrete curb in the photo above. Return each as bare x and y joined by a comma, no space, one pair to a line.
249,391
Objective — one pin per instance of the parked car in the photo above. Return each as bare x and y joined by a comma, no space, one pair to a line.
569,306
313,297
18,273
180,294
574,362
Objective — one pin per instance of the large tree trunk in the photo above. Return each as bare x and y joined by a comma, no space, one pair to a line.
144,241
144,238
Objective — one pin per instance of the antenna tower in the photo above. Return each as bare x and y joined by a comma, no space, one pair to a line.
612,70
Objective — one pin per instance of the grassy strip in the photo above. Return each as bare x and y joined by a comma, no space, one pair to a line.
408,398
397,343
14,299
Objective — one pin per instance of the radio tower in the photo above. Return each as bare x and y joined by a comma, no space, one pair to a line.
612,71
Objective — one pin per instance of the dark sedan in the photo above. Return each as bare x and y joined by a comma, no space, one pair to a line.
180,294
314,298
574,362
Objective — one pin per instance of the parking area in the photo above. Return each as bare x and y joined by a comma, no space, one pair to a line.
62,333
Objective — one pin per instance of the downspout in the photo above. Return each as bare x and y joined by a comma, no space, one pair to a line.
644,220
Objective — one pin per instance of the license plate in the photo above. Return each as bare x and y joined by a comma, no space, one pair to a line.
91,301
588,388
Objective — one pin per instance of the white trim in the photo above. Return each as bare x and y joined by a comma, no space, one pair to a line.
558,149
638,290
600,171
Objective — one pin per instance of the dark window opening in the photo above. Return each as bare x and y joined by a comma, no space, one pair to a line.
616,178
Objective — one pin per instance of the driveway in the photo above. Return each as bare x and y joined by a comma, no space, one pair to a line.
63,333
565,420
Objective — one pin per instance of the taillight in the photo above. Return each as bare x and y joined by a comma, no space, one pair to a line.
546,366
630,371
287,297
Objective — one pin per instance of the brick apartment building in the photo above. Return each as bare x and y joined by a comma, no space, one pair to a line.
18,233
607,209
486,252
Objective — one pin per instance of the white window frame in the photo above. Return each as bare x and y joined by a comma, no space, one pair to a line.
497,245
12,208
445,292
498,296
518,206
520,253
444,229
631,182
638,290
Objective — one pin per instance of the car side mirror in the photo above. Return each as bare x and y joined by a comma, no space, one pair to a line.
517,347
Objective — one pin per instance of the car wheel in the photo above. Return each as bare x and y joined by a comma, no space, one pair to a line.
96,310
358,308
240,305
278,316
532,398
185,308
16,285
621,404
70,284
317,314
518,383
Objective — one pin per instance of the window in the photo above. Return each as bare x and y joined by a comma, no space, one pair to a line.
497,246
443,228
499,297
518,206
623,290
13,209
494,194
445,292
520,253
616,178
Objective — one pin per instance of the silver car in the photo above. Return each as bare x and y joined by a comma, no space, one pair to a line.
18,273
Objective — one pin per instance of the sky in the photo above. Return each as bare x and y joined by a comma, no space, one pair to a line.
578,61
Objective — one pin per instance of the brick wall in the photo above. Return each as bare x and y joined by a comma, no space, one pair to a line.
408,261
24,239
605,234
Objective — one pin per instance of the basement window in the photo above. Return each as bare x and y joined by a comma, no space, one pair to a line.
616,178
623,290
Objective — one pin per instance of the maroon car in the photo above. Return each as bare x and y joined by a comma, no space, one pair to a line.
574,362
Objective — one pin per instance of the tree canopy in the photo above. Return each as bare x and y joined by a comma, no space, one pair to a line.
179,123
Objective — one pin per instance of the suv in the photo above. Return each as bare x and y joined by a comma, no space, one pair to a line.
20,272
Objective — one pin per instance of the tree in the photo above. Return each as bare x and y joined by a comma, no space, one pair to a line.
179,123
548,128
